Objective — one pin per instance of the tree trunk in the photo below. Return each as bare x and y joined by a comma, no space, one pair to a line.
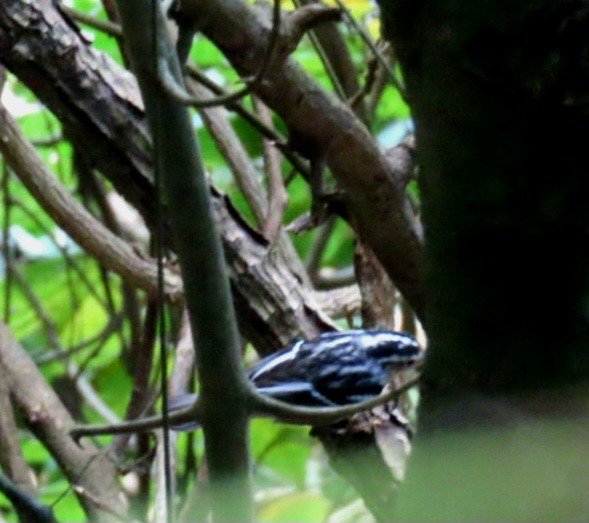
499,96
498,92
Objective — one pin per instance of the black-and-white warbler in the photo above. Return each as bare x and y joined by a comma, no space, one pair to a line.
336,368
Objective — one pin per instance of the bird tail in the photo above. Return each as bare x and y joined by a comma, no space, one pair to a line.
176,403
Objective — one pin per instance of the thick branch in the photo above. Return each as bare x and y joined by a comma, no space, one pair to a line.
11,459
91,471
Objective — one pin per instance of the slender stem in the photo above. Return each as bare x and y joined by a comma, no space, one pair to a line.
266,406
259,405
6,240
178,93
102,25
198,245
163,441
29,508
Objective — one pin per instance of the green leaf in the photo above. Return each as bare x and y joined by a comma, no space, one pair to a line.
283,449
296,507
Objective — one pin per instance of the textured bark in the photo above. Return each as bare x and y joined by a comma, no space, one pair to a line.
265,290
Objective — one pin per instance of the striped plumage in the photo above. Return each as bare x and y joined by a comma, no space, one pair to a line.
336,368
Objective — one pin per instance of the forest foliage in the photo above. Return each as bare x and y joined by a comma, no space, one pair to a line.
78,321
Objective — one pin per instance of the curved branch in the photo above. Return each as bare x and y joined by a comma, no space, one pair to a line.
322,126
72,217
145,424
259,406
101,112
179,94
45,414
262,405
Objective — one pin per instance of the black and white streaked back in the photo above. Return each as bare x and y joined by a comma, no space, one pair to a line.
335,368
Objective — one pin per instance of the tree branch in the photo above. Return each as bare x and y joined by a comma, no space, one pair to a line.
49,420
73,218
259,405
11,458
29,510
322,126
102,115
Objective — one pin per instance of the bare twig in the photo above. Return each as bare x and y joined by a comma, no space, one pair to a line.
101,25
321,45
70,261
11,458
269,133
265,406
244,172
74,372
91,192
259,405
102,337
318,246
368,41
35,303
378,89
371,75
277,195
142,365
6,240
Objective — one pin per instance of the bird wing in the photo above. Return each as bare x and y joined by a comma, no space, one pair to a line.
298,393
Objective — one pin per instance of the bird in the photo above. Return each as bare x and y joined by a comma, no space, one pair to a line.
334,369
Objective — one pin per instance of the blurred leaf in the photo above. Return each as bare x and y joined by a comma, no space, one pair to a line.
33,451
296,507
340,249
88,318
391,107
539,474
68,508
114,385
285,449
